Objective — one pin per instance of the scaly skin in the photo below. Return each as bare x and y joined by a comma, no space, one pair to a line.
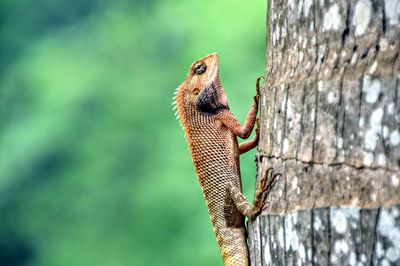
211,131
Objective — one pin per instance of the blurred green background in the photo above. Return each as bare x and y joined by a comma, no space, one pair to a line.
94,168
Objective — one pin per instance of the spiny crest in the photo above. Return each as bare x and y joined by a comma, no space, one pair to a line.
178,104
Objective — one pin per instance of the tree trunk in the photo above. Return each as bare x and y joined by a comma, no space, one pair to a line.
330,123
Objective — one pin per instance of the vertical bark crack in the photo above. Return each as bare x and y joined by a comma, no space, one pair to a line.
260,226
312,238
273,106
285,191
315,123
360,97
284,247
360,213
269,237
329,240
396,95
283,137
346,30
303,102
338,110
375,236
383,18
284,119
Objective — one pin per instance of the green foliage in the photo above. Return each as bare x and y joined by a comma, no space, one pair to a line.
94,169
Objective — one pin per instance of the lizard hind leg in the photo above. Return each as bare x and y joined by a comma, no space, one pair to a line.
242,204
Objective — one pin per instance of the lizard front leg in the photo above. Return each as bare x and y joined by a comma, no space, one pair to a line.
251,144
264,187
228,119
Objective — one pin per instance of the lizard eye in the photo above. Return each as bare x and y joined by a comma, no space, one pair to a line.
200,68
196,91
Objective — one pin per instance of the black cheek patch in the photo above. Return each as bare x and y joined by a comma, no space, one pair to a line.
208,101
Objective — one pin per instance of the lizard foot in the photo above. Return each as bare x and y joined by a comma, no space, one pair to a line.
266,184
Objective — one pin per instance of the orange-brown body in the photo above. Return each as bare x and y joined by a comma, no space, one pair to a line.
211,131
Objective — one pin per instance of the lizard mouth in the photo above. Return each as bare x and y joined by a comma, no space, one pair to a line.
213,66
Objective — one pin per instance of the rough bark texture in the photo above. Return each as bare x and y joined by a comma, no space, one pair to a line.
330,122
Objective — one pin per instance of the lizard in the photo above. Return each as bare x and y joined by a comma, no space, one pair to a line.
211,131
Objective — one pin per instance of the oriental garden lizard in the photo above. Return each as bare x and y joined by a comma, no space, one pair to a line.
211,131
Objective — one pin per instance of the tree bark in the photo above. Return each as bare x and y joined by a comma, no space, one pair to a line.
330,123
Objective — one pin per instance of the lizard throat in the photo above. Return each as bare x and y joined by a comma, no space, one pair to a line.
211,100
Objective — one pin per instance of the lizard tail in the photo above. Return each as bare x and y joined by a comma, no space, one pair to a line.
233,247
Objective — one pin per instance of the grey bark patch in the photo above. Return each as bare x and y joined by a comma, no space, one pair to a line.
254,242
321,244
335,236
388,236
305,148
276,240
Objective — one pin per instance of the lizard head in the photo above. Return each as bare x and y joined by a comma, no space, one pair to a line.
202,90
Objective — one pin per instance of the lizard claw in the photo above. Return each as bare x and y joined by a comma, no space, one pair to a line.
268,181
273,180
258,89
264,179
258,84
